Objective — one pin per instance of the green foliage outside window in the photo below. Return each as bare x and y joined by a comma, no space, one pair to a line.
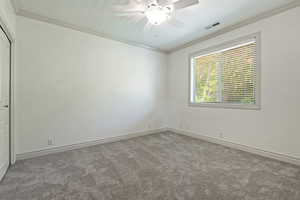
227,76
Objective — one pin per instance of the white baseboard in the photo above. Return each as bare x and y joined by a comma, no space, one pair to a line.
264,153
59,149
253,150
3,170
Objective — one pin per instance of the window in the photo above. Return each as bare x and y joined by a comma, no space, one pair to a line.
227,75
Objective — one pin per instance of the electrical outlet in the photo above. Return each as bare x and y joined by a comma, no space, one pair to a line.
50,142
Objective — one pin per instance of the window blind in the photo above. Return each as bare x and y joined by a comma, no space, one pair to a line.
226,76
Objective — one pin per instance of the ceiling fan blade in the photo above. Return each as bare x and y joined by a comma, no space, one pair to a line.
184,3
127,2
164,2
129,5
176,23
129,13
138,19
120,4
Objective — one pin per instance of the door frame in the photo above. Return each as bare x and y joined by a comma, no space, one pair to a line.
10,36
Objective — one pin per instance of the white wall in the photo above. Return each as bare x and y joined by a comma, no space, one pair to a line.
74,87
276,126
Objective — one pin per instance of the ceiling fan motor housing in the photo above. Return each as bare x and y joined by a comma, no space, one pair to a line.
157,14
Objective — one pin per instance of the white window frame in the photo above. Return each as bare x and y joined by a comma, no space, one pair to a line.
239,41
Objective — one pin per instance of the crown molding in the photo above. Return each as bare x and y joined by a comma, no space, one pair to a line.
31,15
227,29
238,25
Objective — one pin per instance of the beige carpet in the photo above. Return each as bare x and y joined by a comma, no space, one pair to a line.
163,166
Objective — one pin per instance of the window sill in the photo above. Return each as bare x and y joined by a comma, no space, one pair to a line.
225,106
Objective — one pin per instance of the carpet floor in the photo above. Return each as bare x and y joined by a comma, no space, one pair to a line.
163,166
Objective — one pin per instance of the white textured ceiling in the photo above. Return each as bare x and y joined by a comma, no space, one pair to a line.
97,15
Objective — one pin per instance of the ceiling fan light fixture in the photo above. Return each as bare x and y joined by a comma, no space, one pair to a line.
157,14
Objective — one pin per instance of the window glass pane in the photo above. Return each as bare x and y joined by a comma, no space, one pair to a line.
206,79
226,76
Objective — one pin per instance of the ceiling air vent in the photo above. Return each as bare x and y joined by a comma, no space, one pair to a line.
212,26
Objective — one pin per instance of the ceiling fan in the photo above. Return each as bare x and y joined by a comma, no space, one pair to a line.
156,11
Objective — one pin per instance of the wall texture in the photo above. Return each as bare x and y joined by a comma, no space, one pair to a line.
275,127
73,87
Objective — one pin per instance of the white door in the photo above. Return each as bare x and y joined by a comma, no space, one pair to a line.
4,102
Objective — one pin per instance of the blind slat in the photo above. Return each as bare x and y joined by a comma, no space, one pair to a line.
227,76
